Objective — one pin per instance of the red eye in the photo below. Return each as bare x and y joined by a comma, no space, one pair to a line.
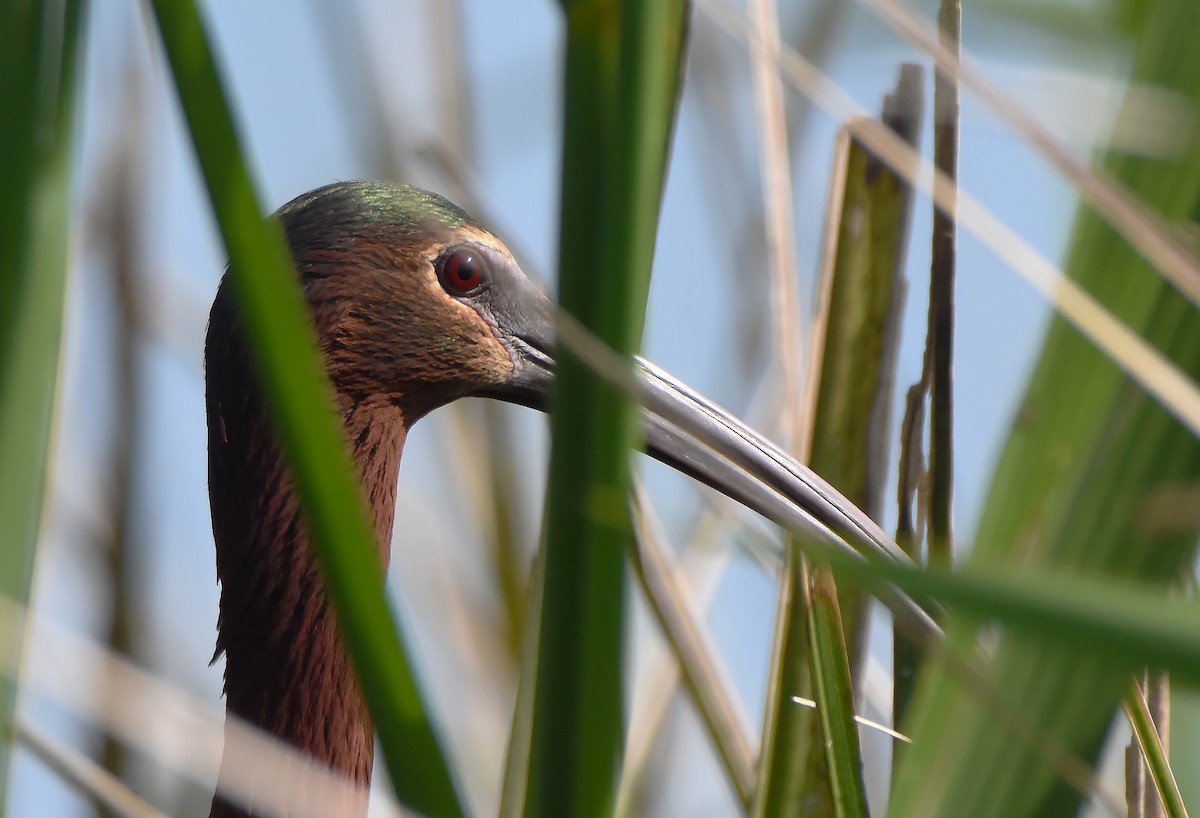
462,272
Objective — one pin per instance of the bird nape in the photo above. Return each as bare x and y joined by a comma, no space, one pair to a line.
415,305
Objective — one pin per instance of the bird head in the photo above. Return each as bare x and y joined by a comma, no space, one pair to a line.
415,303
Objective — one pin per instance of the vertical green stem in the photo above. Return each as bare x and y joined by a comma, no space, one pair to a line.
834,695
622,74
940,352
301,399
38,56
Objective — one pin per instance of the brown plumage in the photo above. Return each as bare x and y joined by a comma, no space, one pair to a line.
396,345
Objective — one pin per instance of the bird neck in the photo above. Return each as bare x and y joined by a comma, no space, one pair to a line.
286,668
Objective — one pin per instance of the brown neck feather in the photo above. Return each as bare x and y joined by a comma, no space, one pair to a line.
286,668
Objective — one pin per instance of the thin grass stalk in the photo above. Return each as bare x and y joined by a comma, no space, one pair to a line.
817,35
622,76
301,400
906,658
486,463
776,177
39,45
520,737
1168,800
902,113
122,217
701,565
785,728
379,141
501,491
940,335
732,197
1158,701
706,681
449,72
781,785
1136,792
91,781
391,158
930,488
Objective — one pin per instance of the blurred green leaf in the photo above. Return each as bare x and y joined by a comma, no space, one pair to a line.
38,55
621,85
1184,744
1112,622
301,399
1095,478
1094,20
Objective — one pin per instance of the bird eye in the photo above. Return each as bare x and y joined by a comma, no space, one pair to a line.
462,272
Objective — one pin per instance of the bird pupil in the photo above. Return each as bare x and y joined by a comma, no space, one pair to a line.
462,273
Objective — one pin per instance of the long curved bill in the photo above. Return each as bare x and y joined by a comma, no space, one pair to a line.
695,436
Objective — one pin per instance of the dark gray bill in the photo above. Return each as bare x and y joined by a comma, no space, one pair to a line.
695,436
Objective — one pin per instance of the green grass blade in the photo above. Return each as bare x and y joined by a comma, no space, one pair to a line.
1119,624
1115,621
1154,753
834,695
1112,622
787,729
1090,480
665,589
38,48
516,760
849,435
622,76
939,338
807,763
302,402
